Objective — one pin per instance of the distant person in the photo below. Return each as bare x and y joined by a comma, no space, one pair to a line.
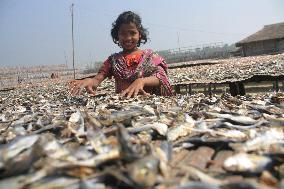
135,71
52,76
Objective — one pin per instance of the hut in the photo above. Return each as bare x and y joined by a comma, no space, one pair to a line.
268,40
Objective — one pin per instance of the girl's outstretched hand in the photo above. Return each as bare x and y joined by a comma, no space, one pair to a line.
136,87
76,86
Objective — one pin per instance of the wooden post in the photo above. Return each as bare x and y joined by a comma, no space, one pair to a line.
237,88
210,90
177,88
73,52
190,89
241,87
233,88
276,86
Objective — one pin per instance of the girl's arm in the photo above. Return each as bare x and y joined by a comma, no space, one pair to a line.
99,78
151,81
90,84
139,84
96,81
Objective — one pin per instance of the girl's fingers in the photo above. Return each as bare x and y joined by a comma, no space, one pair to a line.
136,93
72,90
133,92
76,87
80,89
76,90
125,92
144,92
72,85
130,93
90,90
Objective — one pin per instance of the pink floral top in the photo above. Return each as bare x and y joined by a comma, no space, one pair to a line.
145,63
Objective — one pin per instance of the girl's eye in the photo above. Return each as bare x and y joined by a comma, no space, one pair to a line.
127,33
123,33
133,32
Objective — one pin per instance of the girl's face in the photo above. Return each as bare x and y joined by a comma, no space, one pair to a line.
128,36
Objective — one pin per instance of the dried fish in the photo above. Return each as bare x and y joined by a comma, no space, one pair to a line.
197,185
242,127
127,150
107,141
181,130
17,146
262,141
144,171
76,124
243,162
55,182
245,120
199,175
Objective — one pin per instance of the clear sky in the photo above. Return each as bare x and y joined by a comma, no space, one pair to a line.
38,32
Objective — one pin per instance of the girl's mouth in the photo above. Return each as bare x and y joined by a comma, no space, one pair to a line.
128,43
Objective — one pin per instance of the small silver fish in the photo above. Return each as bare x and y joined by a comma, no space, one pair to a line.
144,171
183,129
245,120
243,162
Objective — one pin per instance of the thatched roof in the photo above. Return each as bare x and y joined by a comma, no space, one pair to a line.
273,31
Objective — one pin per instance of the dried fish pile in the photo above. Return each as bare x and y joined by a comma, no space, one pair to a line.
195,63
50,139
230,70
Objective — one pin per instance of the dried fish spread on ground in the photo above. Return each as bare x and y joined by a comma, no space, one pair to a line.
50,139
227,70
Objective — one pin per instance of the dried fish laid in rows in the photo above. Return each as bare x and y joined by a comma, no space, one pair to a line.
50,139
229,70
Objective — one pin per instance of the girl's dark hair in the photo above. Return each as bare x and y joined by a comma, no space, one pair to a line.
126,18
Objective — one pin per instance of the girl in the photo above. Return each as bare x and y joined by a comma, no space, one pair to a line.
135,71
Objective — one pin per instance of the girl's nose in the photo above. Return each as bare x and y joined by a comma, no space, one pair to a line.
127,36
